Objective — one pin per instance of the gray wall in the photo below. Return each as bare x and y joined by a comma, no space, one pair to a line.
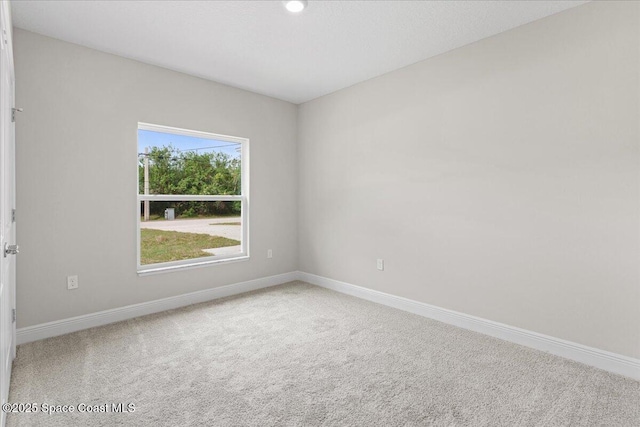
499,179
76,176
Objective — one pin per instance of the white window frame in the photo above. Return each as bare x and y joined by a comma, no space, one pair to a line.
244,198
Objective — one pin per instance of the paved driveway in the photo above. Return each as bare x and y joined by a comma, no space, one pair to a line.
211,226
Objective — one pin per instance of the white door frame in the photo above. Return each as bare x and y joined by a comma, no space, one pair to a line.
7,205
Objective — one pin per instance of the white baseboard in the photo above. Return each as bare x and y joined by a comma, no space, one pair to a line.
73,324
601,359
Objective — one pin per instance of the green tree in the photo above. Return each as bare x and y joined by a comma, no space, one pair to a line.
174,172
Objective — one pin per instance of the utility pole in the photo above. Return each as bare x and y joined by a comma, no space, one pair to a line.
146,182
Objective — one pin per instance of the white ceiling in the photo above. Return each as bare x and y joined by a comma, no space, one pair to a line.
259,46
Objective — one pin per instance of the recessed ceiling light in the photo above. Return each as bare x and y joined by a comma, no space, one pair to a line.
295,6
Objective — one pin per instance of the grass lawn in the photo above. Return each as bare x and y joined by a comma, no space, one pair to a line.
162,246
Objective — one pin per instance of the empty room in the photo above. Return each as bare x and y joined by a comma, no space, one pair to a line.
320,213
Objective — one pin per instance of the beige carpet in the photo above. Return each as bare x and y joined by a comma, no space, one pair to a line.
299,355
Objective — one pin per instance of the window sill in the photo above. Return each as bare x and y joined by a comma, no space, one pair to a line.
172,268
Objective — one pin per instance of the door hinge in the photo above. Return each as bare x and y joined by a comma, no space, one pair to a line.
13,215
13,314
13,113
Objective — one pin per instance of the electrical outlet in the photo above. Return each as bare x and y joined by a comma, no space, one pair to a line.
380,264
269,253
72,282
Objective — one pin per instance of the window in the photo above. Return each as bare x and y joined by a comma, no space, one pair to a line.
192,198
